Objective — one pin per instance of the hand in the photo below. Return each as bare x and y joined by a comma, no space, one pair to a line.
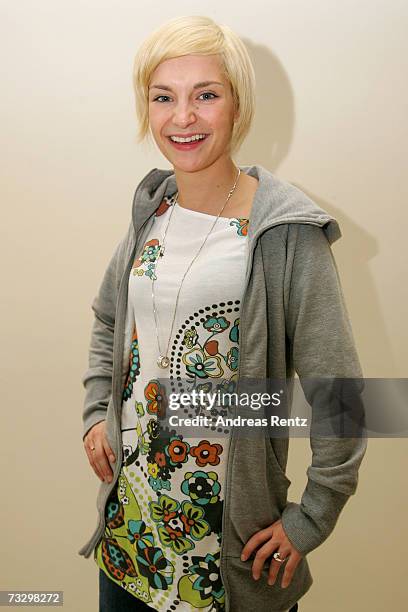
273,539
98,458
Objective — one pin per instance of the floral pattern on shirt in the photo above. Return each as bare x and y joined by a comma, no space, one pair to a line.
163,519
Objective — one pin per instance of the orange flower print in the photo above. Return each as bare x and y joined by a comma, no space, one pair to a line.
156,398
177,450
206,453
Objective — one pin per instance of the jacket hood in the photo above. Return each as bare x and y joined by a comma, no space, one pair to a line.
276,201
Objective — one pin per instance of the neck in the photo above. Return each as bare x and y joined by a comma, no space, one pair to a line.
206,190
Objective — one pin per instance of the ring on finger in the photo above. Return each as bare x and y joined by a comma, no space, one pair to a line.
278,558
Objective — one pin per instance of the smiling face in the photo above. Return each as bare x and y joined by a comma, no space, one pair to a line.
191,95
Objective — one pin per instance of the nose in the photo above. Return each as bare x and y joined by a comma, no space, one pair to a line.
184,113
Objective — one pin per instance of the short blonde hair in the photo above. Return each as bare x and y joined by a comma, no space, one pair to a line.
201,36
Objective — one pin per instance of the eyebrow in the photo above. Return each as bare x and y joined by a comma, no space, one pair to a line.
196,86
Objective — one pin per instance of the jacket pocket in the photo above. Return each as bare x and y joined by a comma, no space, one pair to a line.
274,464
245,593
257,493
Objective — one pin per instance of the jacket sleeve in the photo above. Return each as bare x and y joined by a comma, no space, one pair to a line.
97,379
322,344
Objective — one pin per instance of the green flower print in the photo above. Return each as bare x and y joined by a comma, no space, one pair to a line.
155,567
148,258
202,586
174,539
206,574
139,535
194,524
232,358
201,487
190,337
158,484
164,510
202,366
216,325
150,252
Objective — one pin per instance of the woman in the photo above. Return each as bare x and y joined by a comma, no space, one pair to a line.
225,273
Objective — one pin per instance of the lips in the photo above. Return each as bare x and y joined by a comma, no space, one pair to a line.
188,135
186,146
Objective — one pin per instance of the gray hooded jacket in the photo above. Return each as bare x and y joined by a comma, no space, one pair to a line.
293,319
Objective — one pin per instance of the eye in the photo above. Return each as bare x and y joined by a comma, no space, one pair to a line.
206,93
157,99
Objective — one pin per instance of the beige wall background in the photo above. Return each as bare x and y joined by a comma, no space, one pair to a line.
331,118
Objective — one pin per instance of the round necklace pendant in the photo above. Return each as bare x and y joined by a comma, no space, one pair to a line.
163,362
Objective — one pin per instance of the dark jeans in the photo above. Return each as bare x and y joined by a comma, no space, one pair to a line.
113,598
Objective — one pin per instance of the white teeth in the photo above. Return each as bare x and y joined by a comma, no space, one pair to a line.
191,139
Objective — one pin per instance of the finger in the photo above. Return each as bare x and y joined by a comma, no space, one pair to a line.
256,540
94,451
90,455
97,472
109,452
262,555
101,461
291,565
275,565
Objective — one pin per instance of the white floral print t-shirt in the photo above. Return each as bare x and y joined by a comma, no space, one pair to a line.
163,520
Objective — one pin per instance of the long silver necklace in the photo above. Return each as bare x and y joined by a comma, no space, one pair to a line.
163,360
